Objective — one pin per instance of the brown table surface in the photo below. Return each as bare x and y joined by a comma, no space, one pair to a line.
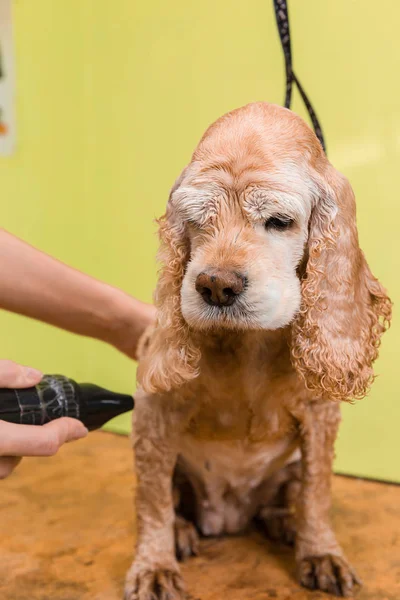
67,534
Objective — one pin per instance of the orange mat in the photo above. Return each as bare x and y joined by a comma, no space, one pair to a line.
67,534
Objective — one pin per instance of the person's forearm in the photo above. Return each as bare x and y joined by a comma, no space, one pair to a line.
38,286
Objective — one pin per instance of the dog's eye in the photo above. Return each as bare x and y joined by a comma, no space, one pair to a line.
279,222
193,223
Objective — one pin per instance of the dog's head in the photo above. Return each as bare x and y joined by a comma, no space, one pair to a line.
260,233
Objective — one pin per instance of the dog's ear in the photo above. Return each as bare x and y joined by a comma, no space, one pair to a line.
171,359
345,310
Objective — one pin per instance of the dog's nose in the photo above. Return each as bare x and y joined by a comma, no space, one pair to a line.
220,288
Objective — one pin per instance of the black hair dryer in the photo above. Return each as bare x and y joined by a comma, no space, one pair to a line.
58,396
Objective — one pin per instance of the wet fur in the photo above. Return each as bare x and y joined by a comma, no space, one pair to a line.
241,407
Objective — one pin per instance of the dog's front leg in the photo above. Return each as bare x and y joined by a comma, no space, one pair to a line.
320,560
154,573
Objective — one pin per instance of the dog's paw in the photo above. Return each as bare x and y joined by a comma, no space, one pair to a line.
278,525
186,539
328,573
157,584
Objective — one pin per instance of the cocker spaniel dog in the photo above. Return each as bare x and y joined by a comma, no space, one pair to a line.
268,316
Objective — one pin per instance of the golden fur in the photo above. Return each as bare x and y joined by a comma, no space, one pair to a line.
238,405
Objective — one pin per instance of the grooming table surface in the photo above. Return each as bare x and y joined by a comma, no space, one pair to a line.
68,530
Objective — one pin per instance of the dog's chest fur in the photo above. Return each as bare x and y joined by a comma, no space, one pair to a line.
240,434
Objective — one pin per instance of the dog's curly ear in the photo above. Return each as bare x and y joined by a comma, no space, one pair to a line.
171,358
345,310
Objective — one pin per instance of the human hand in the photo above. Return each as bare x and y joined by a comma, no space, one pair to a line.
17,441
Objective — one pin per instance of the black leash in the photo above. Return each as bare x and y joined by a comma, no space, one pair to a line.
282,20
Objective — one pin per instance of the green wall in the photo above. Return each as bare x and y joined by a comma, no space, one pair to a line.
111,100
